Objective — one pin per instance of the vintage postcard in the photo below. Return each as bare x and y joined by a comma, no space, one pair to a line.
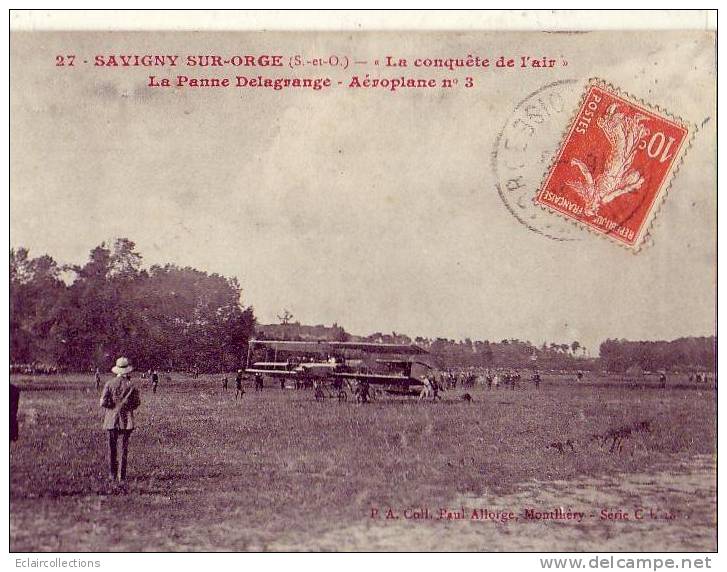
363,290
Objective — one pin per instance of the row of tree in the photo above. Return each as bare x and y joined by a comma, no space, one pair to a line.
686,354
510,353
507,353
166,317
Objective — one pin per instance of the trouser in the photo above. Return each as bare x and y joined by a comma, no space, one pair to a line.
14,402
117,469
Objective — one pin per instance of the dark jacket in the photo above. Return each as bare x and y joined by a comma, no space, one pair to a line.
119,398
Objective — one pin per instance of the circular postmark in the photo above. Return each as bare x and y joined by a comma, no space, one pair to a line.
523,152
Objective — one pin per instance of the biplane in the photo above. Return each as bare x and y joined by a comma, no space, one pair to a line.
389,368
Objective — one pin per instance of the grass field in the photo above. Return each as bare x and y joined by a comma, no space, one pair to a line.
280,471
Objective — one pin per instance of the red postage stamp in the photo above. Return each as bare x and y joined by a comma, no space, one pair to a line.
615,164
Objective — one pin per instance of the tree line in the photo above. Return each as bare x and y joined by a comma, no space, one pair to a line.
615,355
685,354
78,317
506,353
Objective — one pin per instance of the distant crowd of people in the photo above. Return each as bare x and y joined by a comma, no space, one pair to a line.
701,377
488,378
35,369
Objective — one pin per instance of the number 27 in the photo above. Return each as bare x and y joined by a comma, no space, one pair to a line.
65,61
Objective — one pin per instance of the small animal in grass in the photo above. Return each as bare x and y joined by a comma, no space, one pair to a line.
643,427
561,446
617,436
466,397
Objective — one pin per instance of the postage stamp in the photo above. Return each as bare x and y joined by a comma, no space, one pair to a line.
615,165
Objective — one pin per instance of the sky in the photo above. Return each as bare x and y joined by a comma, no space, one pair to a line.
375,210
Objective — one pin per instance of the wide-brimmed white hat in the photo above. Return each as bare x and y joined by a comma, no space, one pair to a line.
122,366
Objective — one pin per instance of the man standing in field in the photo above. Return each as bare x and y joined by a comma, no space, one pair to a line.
224,383
239,391
662,380
97,377
363,391
435,389
14,403
154,381
426,388
120,398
